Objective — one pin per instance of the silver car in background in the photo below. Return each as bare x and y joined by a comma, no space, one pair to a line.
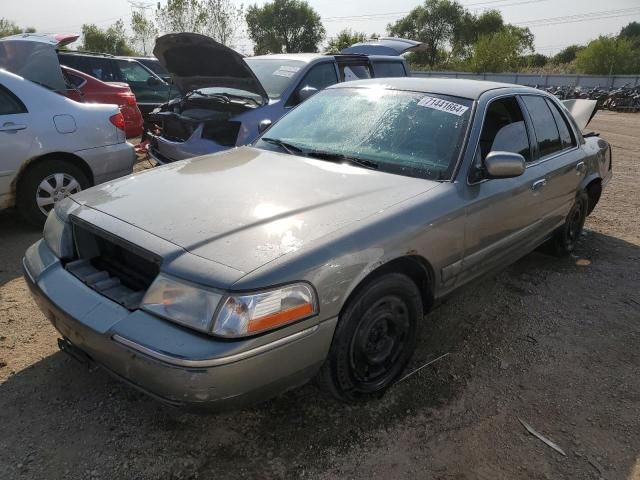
317,251
51,146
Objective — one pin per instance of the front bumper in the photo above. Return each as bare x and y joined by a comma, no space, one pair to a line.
164,151
243,372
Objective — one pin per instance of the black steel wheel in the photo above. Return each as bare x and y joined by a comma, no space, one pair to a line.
374,340
565,239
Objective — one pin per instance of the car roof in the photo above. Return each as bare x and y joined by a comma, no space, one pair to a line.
310,57
458,87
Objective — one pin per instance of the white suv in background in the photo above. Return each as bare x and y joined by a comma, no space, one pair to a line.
52,147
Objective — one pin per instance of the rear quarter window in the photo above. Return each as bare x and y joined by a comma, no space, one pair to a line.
9,103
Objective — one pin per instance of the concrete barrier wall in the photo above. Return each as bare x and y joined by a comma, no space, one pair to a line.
542,80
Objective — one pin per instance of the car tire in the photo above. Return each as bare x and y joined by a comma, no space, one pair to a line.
565,238
374,339
63,179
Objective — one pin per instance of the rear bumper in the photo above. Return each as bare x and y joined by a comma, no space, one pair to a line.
246,376
109,162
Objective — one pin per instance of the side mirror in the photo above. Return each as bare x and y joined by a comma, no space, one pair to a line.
263,125
153,81
504,164
306,92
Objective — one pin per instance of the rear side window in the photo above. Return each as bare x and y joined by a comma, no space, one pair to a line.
389,69
354,72
9,103
566,137
547,134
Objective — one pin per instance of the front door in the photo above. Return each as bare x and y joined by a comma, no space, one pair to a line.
503,214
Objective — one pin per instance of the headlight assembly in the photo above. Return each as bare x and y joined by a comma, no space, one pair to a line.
230,316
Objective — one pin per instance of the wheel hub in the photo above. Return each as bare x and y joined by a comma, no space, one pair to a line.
54,188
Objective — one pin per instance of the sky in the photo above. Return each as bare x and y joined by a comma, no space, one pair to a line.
547,19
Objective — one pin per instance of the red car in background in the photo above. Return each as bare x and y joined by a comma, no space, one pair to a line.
88,89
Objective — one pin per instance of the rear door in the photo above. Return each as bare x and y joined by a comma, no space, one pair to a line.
557,149
16,138
503,215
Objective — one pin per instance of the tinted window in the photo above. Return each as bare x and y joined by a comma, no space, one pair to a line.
154,66
544,125
389,69
320,77
566,136
74,80
9,103
98,67
504,129
274,74
133,71
406,133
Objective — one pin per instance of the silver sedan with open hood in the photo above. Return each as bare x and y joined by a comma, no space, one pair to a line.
228,278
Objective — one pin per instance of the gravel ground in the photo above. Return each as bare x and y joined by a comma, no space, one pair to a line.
553,342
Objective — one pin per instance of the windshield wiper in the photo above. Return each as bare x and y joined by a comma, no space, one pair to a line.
290,148
339,157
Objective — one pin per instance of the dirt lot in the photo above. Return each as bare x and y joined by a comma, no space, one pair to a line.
554,342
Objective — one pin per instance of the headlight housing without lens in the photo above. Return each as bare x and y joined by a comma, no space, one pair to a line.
238,316
58,233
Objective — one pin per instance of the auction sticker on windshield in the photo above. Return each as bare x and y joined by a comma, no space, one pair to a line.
443,105
286,71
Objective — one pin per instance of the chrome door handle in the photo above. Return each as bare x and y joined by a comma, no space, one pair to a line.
581,167
537,185
11,127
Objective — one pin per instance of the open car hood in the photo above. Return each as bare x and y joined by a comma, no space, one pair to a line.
385,46
197,61
33,56
581,110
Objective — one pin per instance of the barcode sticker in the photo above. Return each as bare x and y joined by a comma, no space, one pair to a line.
443,105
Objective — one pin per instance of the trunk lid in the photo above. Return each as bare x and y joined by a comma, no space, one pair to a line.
33,56
384,46
196,61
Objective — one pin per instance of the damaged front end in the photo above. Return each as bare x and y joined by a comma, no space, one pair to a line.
196,124
217,88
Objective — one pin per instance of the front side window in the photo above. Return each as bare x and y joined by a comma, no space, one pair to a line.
319,77
544,125
407,133
9,103
133,71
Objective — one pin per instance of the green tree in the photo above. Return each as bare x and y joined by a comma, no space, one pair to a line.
112,40
567,54
9,27
608,56
144,32
435,24
224,20
497,52
284,26
345,39
534,60
631,32
182,16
